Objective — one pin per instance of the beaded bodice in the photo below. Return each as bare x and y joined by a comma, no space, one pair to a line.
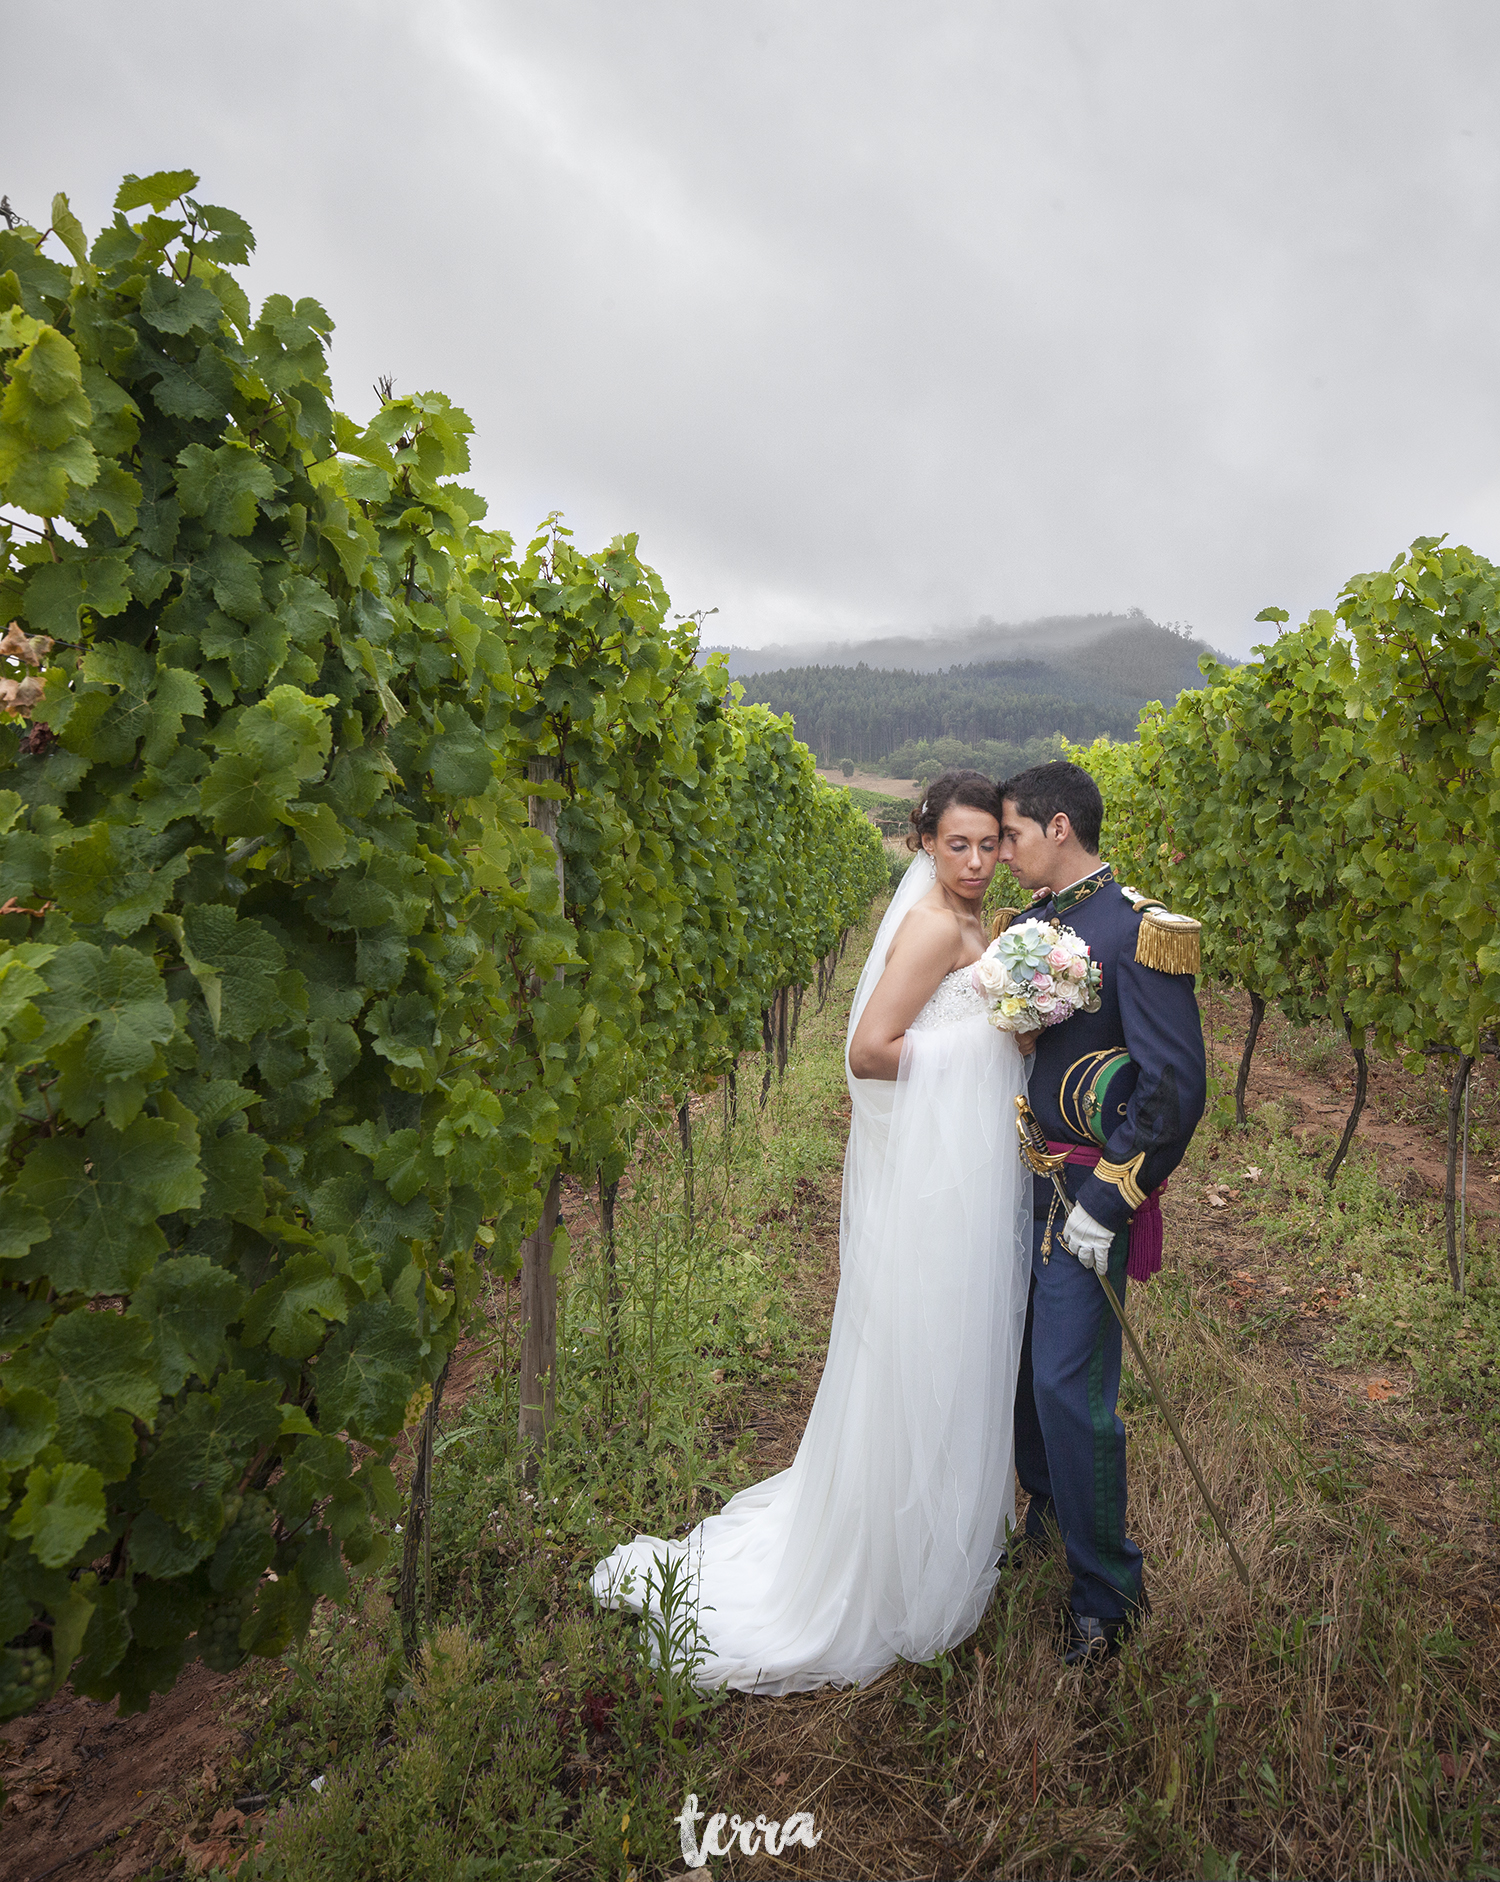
955,999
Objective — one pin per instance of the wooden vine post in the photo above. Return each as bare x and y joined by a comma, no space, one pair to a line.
538,1384
416,1541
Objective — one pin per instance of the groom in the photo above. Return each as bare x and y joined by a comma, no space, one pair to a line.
1070,1444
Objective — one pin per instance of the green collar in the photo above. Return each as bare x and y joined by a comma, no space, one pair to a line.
1068,899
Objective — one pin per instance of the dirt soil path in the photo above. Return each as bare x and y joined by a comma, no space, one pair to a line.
79,1779
1402,1122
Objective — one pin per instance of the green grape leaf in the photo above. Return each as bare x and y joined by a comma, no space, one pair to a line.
102,1193
234,1180
62,1510
119,995
179,307
188,1303
460,761
321,1569
69,230
327,842
158,191
232,240
20,1226
71,1617
275,748
104,1363
204,1447
313,1471
46,481
105,1641
160,1548
58,593
106,1441
247,964
366,1369
225,487
291,1311
27,1420
45,404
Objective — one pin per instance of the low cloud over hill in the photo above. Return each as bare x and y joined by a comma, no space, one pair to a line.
1077,675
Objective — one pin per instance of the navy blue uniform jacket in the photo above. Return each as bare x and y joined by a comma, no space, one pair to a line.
1154,1017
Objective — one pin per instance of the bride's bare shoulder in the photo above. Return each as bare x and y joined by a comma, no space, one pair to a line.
929,931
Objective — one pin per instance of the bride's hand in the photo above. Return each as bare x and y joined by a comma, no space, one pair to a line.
1027,1042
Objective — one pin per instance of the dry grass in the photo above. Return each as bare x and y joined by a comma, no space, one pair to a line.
1340,1720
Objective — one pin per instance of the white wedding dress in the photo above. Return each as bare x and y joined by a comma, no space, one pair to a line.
881,1539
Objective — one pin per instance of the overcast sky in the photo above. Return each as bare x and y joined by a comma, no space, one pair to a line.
866,316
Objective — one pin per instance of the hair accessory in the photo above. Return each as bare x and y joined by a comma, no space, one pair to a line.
923,811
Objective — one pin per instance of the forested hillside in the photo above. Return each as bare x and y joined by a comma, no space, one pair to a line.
864,713
1050,637
869,713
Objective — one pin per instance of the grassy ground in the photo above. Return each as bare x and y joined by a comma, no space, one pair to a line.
1341,1719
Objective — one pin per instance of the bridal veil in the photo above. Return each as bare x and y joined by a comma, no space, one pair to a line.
880,1540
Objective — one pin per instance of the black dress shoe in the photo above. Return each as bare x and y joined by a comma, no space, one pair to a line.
1088,1640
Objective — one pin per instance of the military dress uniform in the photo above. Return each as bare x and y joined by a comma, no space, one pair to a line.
1070,1443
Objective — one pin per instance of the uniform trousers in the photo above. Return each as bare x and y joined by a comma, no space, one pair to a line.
1070,1443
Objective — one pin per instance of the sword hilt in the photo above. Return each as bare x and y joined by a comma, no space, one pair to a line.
1034,1152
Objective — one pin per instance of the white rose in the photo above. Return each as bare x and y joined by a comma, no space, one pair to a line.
990,974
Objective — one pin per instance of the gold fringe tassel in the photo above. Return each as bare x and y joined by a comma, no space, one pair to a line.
1169,943
1003,918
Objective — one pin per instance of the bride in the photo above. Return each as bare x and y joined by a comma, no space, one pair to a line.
881,1540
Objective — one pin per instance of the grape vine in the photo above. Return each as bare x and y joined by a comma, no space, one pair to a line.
1330,811
293,1017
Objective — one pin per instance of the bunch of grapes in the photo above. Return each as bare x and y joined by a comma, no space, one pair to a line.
25,1676
219,1632
246,1546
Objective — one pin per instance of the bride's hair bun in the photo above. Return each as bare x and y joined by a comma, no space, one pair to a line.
970,788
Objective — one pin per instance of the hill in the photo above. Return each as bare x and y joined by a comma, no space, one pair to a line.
1081,676
1048,638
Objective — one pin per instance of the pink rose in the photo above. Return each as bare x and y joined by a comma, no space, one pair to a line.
1077,969
1041,983
1058,958
1043,1002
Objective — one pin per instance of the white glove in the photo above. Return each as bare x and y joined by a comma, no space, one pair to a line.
1088,1239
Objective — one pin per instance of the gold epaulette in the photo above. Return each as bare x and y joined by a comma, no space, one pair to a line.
1003,918
1169,943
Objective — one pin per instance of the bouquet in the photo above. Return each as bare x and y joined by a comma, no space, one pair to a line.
1036,974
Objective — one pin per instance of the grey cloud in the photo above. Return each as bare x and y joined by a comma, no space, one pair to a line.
870,316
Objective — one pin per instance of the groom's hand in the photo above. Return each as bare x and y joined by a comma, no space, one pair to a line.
1087,1239
1027,1042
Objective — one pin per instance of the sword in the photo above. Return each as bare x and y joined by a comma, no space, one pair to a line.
1045,1162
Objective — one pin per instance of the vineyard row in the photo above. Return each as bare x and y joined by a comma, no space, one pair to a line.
1331,811
358,870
